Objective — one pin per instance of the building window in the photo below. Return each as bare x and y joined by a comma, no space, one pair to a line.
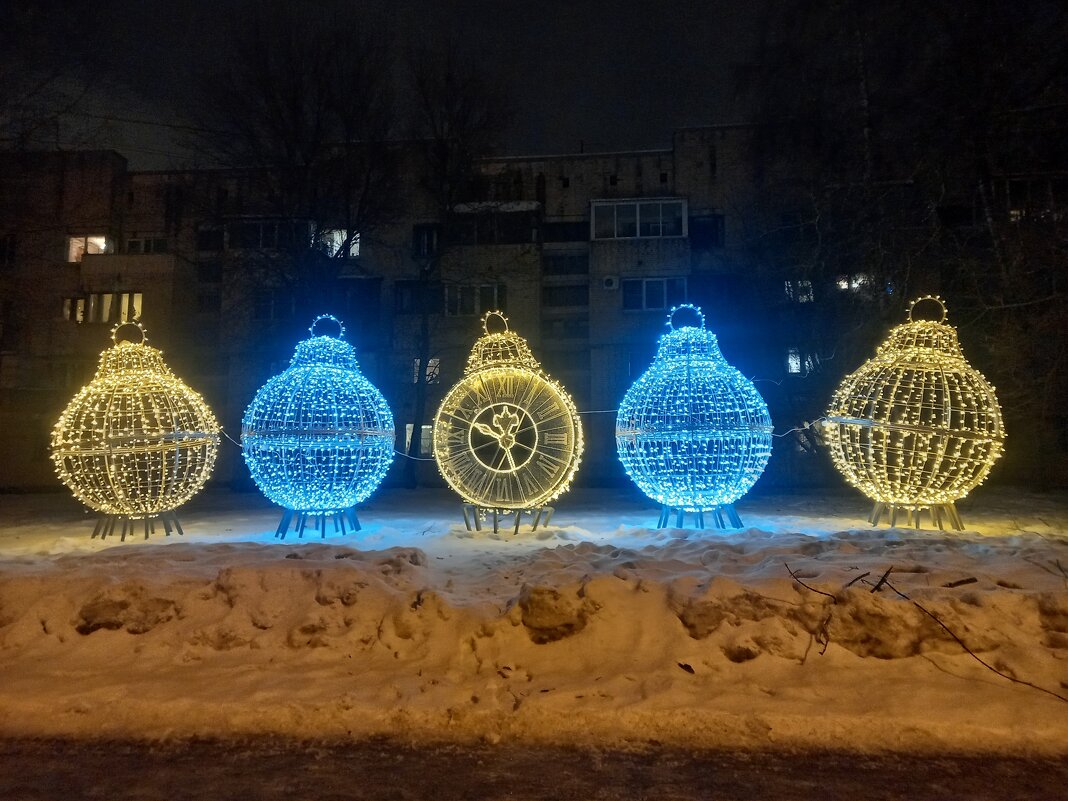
147,245
796,364
566,264
426,439
273,304
799,291
565,182
574,231
492,227
566,328
854,283
638,219
417,297
471,300
103,307
267,235
644,294
572,295
74,309
78,246
332,243
425,240
432,374
7,250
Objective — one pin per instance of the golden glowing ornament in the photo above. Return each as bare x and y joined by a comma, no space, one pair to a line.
136,442
916,427
507,438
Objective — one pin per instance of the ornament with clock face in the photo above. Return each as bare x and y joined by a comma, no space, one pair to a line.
506,436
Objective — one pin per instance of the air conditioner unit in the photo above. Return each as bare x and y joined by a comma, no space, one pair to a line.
610,282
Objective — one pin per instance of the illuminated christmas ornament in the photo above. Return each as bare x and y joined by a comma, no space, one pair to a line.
135,443
507,438
916,427
318,438
693,432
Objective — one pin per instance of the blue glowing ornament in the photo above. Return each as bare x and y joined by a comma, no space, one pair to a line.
318,439
692,432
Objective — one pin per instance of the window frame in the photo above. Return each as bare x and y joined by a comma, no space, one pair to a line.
104,308
668,301
638,222
104,244
456,292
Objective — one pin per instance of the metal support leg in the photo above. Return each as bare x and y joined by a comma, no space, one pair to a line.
665,514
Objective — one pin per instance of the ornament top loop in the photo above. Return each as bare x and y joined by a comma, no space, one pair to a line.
934,299
688,307
340,326
135,323
486,321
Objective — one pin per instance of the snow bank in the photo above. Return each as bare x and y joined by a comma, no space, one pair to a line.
597,631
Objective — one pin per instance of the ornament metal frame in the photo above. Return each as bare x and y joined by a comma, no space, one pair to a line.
514,355
345,518
721,515
943,513
128,523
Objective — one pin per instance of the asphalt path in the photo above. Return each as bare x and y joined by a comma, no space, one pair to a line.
385,770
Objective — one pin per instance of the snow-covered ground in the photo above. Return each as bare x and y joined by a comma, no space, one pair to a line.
599,629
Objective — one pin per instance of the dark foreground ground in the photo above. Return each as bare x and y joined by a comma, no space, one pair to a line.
273,769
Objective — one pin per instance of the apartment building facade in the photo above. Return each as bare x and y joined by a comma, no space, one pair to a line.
585,252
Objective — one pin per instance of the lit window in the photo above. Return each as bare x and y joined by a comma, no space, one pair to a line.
426,439
798,364
854,282
472,300
638,220
793,361
432,373
799,291
332,243
644,294
103,307
78,246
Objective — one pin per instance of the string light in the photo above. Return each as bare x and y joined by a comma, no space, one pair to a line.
692,432
318,438
506,436
136,442
916,427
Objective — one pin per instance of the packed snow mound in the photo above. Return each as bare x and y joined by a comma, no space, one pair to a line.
588,632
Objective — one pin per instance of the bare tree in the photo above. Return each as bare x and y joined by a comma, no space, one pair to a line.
885,136
305,107
459,113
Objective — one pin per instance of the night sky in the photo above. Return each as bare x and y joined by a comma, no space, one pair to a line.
597,75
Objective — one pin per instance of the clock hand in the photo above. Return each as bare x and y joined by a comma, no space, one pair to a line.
485,429
511,461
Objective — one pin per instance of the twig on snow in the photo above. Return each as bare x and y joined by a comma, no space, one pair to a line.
853,581
882,581
969,651
821,635
794,576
